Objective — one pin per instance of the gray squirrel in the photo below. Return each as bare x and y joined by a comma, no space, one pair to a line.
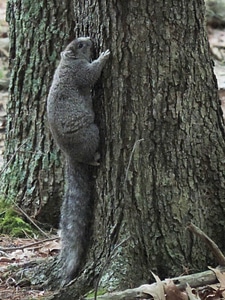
71,120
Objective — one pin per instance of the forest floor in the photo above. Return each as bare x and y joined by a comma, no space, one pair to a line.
18,251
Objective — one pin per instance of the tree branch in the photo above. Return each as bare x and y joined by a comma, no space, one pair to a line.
29,245
194,280
210,243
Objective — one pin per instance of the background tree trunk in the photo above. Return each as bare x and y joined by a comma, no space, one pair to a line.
34,175
162,136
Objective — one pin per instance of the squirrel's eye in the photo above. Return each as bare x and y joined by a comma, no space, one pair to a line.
80,45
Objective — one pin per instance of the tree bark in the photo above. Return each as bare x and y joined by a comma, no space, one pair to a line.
163,138
34,176
162,141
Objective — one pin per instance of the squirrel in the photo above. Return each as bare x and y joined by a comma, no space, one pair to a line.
71,120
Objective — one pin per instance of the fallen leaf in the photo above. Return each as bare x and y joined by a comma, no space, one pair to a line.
191,296
173,293
205,291
155,290
220,276
6,259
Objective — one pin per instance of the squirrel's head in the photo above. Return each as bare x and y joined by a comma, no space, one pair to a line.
79,48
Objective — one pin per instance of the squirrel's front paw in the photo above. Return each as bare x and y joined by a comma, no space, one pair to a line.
105,55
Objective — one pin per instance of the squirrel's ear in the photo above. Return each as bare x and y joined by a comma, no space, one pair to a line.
67,53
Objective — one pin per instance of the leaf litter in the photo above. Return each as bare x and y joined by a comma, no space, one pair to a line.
168,290
12,257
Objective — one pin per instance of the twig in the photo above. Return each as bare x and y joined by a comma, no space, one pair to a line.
29,218
20,209
210,243
28,246
131,155
11,158
194,280
118,224
106,263
4,52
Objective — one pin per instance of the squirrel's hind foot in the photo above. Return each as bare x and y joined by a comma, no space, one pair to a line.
95,162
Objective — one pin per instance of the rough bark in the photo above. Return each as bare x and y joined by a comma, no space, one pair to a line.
34,177
162,141
162,144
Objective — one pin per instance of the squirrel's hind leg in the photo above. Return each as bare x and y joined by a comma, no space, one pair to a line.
85,151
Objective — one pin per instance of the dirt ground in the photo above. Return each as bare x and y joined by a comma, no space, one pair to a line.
15,252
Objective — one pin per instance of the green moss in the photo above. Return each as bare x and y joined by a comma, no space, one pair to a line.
11,223
92,294
1,74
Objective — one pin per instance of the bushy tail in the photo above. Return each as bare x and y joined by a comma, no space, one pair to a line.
76,216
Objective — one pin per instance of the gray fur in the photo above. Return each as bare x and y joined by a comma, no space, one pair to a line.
71,120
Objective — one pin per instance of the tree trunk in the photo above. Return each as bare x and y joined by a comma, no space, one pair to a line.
162,141
33,176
